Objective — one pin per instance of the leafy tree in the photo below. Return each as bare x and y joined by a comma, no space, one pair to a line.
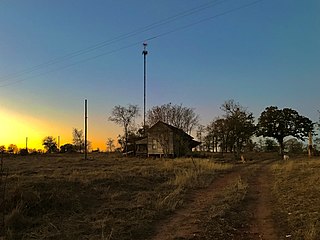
2,149
280,123
24,151
270,145
78,139
68,148
12,148
240,125
233,131
176,115
50,144
292,145
217,135
124,116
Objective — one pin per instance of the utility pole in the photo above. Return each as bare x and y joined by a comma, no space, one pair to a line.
310,145
59,143
85,129
145,52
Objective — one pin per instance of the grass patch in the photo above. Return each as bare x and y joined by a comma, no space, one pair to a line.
226,215
65,197
297,193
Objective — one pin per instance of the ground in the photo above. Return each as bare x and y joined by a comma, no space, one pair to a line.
65,197
188,222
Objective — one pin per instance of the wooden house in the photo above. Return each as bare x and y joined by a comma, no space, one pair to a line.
165,140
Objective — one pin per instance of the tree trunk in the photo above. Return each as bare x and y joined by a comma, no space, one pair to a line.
281,147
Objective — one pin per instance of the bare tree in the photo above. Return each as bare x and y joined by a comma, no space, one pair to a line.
78,139
124,116
110,144
200,135
176,115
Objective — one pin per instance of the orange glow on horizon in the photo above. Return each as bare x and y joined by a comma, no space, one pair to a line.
15,128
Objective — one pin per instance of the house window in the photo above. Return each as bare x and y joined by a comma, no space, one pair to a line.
154,144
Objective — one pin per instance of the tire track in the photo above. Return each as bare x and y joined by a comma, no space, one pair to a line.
187,222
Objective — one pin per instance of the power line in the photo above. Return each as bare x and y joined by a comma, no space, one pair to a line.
203,20
113,40
137,43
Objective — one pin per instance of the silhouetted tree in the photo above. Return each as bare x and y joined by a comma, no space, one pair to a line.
24,151
281,123
12,148
110,145
233,131
2,149
240,125
270,145
68,148
78,139
176,115
50,144
292,145
125,117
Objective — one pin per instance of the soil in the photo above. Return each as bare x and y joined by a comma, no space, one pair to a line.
250,219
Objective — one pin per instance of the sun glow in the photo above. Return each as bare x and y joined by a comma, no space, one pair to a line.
15,128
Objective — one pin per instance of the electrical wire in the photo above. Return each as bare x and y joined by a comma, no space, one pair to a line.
136,43
112,40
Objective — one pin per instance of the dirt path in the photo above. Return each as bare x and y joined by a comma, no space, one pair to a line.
187,222
262,224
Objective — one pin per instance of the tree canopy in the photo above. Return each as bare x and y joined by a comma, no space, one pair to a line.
281,123
178,116
50,144
232,131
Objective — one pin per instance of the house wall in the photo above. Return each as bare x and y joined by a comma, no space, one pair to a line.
160,141
166,140
181,145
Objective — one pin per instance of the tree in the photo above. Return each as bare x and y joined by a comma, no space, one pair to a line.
233,131
270,145
200,132
280,123
110,145
217,135
176,115
12,148
78,139
124,116
68,148
50,144
240,125
292,145
2,149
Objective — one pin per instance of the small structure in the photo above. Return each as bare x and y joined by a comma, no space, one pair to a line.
165,140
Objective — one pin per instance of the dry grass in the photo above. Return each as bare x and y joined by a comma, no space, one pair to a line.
64,197
297,193
226,215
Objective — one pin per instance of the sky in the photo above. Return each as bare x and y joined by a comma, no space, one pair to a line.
56,54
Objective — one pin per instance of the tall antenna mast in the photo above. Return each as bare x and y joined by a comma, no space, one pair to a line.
145,52
85,129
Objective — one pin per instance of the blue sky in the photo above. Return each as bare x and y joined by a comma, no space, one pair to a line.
264,54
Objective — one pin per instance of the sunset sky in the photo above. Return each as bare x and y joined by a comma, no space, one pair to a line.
55,54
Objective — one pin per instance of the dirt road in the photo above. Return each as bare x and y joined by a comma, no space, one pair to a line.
237,205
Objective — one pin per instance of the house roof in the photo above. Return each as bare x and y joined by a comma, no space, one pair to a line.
179,131
172,128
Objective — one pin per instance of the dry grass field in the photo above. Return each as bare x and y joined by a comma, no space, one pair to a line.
296,191
65,197
108,197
